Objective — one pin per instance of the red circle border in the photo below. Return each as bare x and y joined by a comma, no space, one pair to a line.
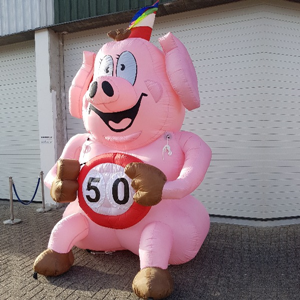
132,216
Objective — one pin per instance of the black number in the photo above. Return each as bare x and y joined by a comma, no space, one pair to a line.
115,192
93,188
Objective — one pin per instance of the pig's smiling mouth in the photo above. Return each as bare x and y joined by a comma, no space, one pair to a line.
126,116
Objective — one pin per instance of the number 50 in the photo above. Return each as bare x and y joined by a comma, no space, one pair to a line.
118,186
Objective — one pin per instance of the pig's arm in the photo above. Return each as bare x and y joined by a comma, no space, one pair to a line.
197,159
71,151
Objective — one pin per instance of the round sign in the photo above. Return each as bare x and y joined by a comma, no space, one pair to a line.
105,193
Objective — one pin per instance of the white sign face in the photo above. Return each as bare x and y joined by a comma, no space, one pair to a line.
107,190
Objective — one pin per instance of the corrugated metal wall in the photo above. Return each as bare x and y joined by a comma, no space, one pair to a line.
22,15
70,10
19,134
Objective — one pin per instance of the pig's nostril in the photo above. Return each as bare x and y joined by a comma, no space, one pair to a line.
93,89
107,88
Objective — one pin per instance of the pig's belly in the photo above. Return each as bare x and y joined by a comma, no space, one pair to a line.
187,218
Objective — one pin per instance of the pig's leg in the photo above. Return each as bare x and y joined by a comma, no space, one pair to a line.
154,280
58,258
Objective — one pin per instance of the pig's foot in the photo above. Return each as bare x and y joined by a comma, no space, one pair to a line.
153,283
51,263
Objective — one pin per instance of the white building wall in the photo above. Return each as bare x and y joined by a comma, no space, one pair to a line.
32,129
247,59
19,133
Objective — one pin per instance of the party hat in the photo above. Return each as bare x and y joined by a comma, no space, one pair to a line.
142,23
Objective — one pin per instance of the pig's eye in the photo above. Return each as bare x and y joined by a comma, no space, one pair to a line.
126,67
106,67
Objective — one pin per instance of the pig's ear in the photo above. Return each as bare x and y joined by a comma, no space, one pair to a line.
180,70
80,84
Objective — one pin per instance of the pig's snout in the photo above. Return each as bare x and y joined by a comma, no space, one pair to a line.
93,89
106,87
103,91
112,94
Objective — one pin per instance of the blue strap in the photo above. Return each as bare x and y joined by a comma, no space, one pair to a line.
28,202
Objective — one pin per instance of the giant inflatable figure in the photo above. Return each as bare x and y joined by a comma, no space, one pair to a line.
129,179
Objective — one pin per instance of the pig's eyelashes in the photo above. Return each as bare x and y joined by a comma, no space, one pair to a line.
104,67
127,67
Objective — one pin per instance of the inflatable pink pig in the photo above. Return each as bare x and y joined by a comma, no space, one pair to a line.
129,178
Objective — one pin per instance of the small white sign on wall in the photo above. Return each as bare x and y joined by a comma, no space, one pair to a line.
46,139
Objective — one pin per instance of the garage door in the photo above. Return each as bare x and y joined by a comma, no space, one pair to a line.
247,59
19,134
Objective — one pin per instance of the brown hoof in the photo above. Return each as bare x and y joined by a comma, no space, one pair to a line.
51,263
154,283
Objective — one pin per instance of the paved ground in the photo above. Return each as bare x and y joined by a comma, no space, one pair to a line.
236,262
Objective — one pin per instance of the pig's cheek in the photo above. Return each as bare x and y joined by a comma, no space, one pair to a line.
93,123
155,89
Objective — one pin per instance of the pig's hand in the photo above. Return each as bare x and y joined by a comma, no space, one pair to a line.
147,181
64,187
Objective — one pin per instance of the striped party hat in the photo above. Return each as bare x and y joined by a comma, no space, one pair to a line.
142,23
